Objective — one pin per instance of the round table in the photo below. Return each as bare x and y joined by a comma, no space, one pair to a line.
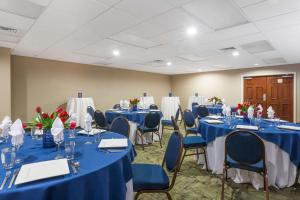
79,106
282,152
101,176
135,119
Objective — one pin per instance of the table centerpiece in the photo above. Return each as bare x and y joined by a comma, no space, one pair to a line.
242,109
215,100
133,103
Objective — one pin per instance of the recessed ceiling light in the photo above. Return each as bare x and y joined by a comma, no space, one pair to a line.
235,53
168,63
256,64
192,30
116,52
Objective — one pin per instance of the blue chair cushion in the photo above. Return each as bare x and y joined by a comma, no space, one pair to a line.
193,141
257,167
143,129
166,122
149,177
192,130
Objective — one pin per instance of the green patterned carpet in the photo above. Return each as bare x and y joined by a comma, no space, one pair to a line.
193,182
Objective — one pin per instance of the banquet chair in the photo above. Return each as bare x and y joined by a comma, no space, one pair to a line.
195,104
100,120
153,107
245,150
202,112
152,178
192,143
150,125
117,106
120,125
189,122
91,111
167,124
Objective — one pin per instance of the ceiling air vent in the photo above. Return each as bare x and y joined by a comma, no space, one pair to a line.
8,29
227,49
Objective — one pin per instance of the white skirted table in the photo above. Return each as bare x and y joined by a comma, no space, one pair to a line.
78,106
195,99
169,106
147,101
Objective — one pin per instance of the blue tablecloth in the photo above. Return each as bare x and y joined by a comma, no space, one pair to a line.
102,175
134,116
287,140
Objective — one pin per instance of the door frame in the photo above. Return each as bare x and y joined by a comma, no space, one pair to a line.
253,74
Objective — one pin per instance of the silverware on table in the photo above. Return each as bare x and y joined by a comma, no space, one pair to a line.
77,165
16,172
7,175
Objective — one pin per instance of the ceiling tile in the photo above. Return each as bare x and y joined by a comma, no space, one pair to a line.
143,9
15,21
243,3
267,9
218,14
109,2
8,38
274,61
257,47
133,40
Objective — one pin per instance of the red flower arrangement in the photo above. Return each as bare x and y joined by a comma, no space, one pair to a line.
43,120
243,107
134,102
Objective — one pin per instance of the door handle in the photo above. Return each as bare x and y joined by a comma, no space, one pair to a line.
264,97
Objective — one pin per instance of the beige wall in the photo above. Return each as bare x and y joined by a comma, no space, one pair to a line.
5,83
50,83
226,84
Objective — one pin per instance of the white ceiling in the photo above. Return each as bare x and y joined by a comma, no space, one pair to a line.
150,33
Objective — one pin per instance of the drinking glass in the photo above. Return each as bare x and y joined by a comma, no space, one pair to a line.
72,133
70,150
88,131
32,133
58,156
8,156
233,115
17,148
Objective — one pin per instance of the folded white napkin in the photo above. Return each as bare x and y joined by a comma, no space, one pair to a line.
250,112
270,112
228,111
57,130
17,133
88,122
122,104
5,125
259,110
126,103
224,109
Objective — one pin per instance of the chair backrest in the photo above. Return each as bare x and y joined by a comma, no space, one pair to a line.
188,118
116,106
120,125
173,155
152,120
244,147
202,111
91,111
195,104
175,125
153,106
100,119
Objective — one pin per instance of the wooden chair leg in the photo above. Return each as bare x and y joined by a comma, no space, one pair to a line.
159,139
266,184
223,183
137,195
169,196
142,142
297,176
182,158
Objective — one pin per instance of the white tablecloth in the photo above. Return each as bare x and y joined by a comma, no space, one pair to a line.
147,101
169,106
281,171
78,106
147,137
199,99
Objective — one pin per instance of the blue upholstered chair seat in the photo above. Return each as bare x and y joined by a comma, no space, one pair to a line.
146,130
149,177
192,130
166,122
193,141
257,167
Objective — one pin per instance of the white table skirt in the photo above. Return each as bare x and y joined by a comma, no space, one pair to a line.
147,136
78,106
129,192
147,101
169,106
281,171
199,99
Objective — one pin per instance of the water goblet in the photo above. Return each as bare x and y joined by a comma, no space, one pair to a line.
70,149
32,133
88,130
8,156
233,114
17,148
58,142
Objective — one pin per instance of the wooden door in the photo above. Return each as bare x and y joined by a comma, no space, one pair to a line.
280,96
275,91
255,91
